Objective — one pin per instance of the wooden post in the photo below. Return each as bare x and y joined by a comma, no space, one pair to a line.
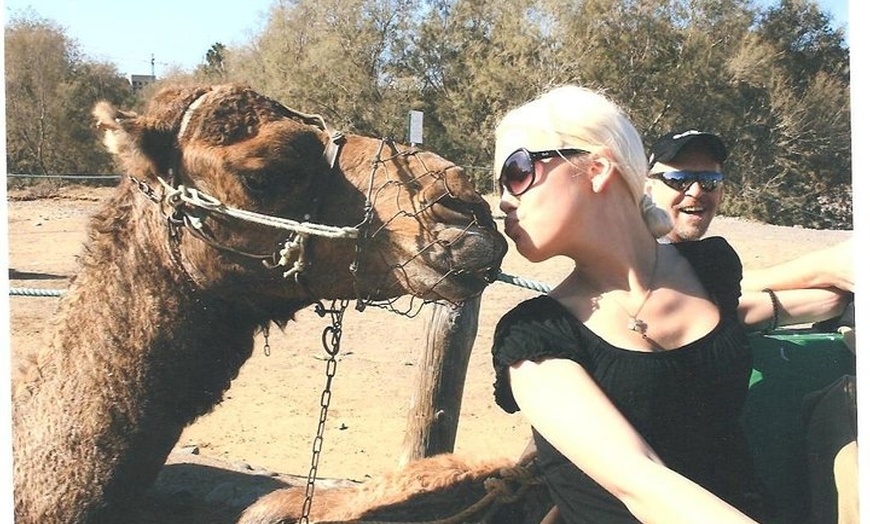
437,395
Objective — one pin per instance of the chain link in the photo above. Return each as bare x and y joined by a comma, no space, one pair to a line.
146,190
331,343
267,349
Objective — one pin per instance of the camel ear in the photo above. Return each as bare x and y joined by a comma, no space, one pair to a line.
140,144
110,121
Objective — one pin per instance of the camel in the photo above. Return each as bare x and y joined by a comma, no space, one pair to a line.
446,488
234,213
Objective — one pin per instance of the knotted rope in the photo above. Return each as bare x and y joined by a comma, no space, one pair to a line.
175,196
509,486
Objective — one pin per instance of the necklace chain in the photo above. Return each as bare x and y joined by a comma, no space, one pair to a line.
636,324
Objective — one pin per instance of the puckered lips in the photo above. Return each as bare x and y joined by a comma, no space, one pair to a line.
510,224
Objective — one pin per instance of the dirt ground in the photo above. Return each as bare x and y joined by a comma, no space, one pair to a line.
261,434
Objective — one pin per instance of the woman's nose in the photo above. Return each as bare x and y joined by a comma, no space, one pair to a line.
507,202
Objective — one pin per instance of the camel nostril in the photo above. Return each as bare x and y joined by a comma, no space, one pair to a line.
462,212
451,196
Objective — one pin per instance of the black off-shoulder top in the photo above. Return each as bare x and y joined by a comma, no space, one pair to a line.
686,402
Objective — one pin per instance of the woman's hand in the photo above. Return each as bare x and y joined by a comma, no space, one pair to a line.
593,434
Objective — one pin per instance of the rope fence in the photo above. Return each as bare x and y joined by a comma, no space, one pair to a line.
65,177
34,292
502,277
524,283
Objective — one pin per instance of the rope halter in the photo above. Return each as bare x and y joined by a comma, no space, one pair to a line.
188,206
404,171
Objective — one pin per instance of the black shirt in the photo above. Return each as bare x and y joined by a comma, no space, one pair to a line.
685,402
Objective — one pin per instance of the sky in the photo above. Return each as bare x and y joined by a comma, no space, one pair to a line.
128,34
180,32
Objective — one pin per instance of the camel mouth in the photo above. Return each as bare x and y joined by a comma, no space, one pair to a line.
472,282
473,248
471,261
455,264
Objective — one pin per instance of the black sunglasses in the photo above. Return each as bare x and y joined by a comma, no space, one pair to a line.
518,172
683,180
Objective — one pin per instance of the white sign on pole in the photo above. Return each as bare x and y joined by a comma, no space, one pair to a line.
415,127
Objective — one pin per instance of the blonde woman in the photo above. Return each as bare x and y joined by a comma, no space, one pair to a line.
633,371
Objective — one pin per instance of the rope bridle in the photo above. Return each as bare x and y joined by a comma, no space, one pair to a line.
186,208
182,198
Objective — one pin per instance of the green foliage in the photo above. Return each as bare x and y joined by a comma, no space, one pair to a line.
791,158
214,68
50,91
332,57
475,60
773,82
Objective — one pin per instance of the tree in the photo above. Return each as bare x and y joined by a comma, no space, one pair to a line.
806,42
332,57
38,56
794,155
474,60
214,68
660,59
50,90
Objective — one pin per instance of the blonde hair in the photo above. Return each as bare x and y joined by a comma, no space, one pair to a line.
574,116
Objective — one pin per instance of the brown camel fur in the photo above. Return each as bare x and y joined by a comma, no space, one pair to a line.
431,489
158,320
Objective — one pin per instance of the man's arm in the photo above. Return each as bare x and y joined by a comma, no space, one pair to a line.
824,268
793,306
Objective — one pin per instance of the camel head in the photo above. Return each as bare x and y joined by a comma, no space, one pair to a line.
267,202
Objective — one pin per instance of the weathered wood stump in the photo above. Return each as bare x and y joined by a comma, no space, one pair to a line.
437,394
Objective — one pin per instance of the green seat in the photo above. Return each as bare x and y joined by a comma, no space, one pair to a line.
788,364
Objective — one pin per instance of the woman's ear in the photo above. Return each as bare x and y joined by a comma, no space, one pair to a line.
601,171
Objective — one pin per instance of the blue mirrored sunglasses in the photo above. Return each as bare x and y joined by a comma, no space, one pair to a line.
683,180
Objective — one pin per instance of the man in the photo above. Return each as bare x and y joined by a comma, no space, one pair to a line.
686,180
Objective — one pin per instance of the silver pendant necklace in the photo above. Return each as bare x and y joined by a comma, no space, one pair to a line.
637,324
634,323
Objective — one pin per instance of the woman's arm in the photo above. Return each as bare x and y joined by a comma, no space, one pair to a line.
824,268
601,442
793,306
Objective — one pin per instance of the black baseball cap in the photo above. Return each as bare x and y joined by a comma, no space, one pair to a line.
669,146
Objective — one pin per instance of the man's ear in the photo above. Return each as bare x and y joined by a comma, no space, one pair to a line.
647,186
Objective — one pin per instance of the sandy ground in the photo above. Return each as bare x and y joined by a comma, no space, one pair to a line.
268,420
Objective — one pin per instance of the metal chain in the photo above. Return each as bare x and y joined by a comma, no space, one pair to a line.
331,343
267,349
146,190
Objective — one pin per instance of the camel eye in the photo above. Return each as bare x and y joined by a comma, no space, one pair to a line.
258,181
